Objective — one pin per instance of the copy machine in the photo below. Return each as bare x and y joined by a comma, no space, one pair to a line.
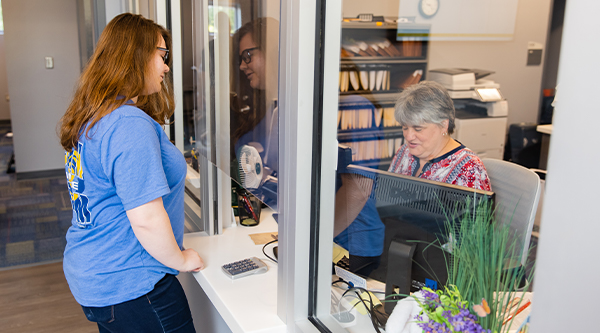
481,110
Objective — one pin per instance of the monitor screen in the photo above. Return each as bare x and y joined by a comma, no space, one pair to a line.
414,212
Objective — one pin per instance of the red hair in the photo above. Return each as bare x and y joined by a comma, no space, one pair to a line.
115,73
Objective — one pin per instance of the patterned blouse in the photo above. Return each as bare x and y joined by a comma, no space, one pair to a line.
459,167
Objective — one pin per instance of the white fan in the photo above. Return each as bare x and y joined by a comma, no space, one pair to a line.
250,167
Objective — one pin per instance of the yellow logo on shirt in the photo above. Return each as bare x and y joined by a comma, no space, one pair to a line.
74,172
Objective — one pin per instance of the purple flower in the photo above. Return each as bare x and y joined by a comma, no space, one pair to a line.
463,321
431,299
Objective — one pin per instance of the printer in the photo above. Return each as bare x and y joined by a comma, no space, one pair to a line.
469,84
481,110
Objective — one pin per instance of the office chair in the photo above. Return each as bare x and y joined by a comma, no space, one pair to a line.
517,195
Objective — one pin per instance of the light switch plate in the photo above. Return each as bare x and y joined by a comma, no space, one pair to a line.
534,54
49,62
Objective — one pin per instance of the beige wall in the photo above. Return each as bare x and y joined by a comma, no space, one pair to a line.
520,84
39,96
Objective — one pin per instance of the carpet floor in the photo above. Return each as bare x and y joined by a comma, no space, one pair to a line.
34,214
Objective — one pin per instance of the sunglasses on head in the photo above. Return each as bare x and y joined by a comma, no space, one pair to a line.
166,56
246,56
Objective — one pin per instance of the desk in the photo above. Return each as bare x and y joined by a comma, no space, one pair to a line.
248,304
546,131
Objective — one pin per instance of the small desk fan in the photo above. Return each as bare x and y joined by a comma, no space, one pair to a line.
250,167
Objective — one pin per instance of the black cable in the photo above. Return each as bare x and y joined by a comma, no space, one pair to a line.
373,310
266,255
338,281
377,324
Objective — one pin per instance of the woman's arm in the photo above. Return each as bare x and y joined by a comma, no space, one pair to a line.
350,199
152,227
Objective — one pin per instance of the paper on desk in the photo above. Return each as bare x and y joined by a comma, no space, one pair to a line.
263,238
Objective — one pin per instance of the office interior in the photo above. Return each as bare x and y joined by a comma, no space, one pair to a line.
295,294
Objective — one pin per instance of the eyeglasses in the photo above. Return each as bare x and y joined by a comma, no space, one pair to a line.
166,56
246,56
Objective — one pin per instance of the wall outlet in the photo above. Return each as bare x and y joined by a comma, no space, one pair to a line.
49,62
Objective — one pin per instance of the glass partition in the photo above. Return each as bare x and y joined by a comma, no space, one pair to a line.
390,197
230,106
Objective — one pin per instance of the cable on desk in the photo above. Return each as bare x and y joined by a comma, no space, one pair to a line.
266,255
378,317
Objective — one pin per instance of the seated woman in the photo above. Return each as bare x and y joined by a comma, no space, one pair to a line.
426,113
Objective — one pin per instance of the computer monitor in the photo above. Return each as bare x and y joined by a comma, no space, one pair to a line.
414,212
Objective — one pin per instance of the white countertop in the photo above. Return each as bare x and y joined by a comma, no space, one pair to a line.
247,304
546,129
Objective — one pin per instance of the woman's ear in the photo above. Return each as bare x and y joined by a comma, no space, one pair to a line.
445,125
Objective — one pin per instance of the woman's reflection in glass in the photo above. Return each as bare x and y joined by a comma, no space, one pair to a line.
254,120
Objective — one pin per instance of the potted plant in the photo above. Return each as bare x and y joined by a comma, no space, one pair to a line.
484,277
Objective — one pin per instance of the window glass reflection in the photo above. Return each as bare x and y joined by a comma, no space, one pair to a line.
254,110
231,101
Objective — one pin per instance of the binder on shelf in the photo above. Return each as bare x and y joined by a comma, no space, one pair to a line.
375,47
354,80
378,60
414,78
364,78
382,149
388,118
379,80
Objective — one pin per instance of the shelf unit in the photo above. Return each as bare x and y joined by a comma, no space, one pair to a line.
371,76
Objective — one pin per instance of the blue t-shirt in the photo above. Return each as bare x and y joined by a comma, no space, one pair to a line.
365,235
127,161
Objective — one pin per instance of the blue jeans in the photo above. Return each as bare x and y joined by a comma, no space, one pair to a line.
164,309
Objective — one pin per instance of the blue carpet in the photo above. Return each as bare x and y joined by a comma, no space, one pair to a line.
34,214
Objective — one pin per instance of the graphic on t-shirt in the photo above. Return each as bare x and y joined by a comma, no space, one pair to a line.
79,201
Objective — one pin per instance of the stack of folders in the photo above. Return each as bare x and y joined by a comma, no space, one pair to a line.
366,118
373,149
414,78
412,48
369,48
364,78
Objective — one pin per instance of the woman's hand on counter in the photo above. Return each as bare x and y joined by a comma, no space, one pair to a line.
192,261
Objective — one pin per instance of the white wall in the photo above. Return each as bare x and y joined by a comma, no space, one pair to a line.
520,84
39,96
568,269
4,105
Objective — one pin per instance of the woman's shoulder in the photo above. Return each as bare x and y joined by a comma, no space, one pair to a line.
123,119
126,115
130,111
462,152
470,170
470,156
463,158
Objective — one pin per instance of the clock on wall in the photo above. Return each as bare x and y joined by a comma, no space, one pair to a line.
428,8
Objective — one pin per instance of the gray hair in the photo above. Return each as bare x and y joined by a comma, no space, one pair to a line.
425,102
